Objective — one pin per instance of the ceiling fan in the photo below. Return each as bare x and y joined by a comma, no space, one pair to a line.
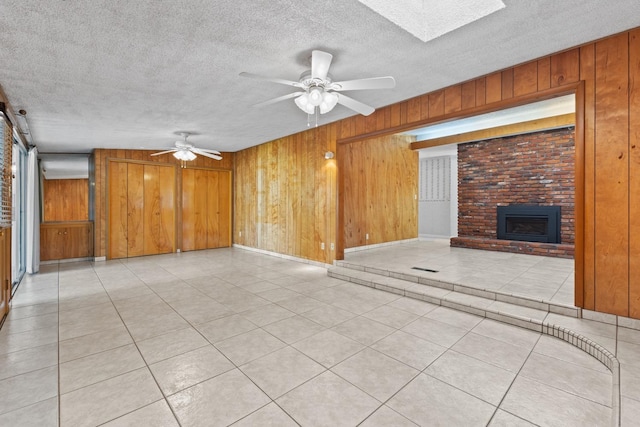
185,151
316,88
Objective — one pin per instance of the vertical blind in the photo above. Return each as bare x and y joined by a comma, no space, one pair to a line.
435,179
5,163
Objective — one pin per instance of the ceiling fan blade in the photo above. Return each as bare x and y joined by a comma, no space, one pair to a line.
320,63
357,106
361,84
206,150
278,99
164,152
271,79
204,153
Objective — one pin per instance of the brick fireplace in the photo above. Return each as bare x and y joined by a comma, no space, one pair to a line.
531,170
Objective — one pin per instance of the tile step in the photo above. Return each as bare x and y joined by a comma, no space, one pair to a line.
495,307
517,311
549,307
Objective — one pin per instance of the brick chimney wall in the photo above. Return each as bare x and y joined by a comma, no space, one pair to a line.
534,169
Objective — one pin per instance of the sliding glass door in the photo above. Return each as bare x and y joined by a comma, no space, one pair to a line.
19,219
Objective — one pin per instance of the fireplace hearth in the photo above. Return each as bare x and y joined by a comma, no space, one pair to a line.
529,223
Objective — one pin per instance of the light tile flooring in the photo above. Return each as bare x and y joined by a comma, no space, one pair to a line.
543,278
227,336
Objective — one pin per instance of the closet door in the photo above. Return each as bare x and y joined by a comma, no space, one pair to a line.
135,197
206,209
141,212
201,212
224,209
188,209
159,218
118,216
213,223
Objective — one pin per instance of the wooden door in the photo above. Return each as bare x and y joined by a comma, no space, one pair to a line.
201,213
188,209
135,206
78,238
141,209
118,210
224,209
206,209
52,245
213,228
159,208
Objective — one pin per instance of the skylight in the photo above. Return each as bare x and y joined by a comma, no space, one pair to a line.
428,19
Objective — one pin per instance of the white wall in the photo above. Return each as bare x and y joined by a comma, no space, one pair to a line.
438,192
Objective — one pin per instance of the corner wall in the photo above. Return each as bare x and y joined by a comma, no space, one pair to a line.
604,74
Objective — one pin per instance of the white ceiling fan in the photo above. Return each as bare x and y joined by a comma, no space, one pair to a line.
316,88
185,151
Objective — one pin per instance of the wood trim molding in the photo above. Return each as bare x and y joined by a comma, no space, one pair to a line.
579,196
554,92
520,128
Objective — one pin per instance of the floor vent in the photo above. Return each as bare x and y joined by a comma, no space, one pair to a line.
424,269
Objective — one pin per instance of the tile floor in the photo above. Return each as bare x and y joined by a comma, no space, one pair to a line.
228,336
542,278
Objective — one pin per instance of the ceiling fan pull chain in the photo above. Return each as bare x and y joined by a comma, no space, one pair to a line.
308,120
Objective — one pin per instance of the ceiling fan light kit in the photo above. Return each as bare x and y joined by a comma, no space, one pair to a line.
319,93
186,152
184,155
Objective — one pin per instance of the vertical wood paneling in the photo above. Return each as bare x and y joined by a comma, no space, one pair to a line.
424,107
413,110
65,200
468,95
481,91
380,179
544,73
605,106
395,114
612,176
493,88
118,210
587,74
634,173
525,79
507,84
452,99
565,67
436,104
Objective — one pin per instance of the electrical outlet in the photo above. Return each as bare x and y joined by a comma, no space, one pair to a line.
241,234
366,236
333,247
322,246
415,197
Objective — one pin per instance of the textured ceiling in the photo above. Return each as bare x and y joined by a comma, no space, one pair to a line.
128,74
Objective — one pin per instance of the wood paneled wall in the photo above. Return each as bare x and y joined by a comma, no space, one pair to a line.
274,180
285,195
98,181
380,186
65,200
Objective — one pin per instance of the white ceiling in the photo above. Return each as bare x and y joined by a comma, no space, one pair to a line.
128,74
